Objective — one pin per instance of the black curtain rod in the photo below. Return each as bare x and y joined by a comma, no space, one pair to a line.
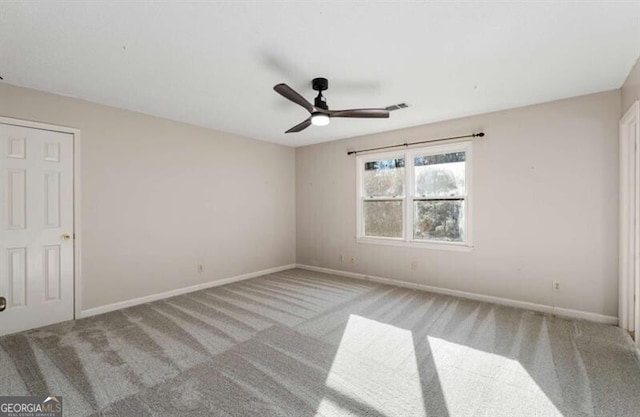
473,135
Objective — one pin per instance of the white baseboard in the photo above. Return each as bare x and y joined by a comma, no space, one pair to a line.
575,314
141,300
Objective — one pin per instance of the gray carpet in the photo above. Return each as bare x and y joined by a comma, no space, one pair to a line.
300,343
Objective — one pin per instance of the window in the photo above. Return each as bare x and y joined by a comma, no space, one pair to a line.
416,197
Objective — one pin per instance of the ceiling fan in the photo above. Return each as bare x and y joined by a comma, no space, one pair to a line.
320,113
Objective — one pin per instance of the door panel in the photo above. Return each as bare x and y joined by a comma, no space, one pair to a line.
17,258
17,198
36,212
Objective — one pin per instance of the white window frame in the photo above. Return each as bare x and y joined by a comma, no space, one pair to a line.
408,198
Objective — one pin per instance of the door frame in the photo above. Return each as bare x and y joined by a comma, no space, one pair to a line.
629,246
77,230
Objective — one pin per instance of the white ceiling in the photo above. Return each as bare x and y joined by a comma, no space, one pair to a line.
215,64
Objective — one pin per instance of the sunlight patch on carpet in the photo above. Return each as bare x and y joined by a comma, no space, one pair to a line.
375,367
475,381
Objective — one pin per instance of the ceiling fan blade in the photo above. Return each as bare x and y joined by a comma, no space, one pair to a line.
361,113
300,126
291,94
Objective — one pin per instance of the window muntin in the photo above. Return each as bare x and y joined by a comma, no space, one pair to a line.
419,196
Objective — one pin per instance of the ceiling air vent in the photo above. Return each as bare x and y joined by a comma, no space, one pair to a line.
397,107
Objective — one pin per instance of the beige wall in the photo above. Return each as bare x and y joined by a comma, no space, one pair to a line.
159,197
631,87
545,181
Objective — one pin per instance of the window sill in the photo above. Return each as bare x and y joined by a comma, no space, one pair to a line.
452,246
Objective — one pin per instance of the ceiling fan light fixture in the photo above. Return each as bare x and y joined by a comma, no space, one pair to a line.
319,119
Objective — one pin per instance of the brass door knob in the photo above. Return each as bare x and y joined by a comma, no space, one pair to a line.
66,237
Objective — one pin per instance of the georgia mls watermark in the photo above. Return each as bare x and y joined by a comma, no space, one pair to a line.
30,406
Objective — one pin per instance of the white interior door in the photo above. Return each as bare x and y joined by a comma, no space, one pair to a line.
36,234
629,283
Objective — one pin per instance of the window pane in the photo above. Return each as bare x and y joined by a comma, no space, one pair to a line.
439,220
440,175
384,178
383,218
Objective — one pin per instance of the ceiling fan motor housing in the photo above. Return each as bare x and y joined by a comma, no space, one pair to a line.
320,84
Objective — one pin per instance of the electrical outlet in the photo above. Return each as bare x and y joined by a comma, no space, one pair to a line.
200,268
353,259
556,286
341,258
